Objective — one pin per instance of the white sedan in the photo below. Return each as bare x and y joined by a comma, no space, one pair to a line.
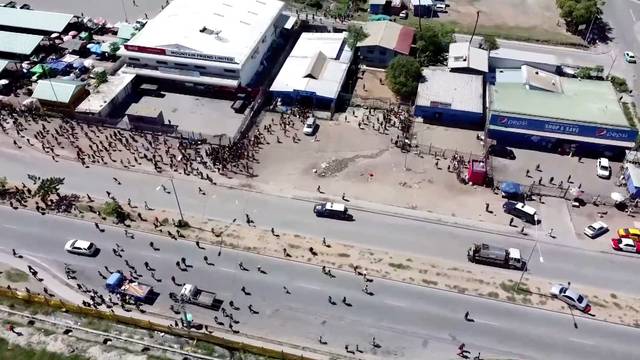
629,57
570,297
80,247
596,229
603,168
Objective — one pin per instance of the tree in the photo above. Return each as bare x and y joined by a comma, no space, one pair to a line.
433,43
579,12
3,182
489,43
47,187
403,75
115,210
113,48
355,35
101,78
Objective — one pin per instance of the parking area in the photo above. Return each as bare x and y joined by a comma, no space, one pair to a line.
112,11
555,170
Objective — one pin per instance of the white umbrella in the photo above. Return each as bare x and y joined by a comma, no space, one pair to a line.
617,197
4,82
88,63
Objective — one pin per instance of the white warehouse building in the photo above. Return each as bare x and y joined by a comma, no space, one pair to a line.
213,42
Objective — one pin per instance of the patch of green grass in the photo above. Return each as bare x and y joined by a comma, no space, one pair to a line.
15,352
31,308
509,287
493,294
628,114
399,266
16,276
98,324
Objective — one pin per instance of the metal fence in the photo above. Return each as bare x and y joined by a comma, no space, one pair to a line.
149,325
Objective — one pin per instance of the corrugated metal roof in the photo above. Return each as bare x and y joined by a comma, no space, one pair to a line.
521,55
33,19
316,64
463,56
389,35
21,44
3,64
56,90
459,91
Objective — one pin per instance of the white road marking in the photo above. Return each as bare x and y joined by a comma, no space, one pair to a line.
632,15
394,303
225,269
10,226
581,341
487,322
310,286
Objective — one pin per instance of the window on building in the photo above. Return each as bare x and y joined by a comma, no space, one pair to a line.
182,65
200,67
161,62
371,51
230,71
134,59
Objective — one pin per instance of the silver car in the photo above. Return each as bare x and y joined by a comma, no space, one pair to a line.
80,247
571,297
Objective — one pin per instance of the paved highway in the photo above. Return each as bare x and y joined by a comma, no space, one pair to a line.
409,321
600,269
624,18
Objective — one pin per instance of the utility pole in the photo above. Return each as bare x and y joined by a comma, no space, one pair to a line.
420,15
175,193
473,33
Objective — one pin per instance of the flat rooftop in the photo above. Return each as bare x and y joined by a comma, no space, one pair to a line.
193,114
227,30
441,87
107,93
16,43
587,101
34,20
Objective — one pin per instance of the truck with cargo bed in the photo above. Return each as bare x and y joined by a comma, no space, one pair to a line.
117,283
192,294
496,256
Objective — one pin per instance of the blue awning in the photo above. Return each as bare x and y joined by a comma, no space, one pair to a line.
511,188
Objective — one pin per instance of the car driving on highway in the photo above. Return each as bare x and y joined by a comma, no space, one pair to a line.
570,297
596,229
332,210
626,245
81,247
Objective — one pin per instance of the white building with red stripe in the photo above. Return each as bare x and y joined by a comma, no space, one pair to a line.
212,42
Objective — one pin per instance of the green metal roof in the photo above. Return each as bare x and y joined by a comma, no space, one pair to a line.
33,19
15,43
56,90
589,101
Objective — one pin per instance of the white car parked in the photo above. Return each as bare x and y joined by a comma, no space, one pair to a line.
310,126
603,168
80,247
596,229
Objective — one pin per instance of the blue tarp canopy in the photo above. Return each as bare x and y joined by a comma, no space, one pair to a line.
510,188
57,65
379,18
95,48
114,281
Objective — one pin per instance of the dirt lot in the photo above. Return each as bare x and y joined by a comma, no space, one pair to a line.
514,19
372,88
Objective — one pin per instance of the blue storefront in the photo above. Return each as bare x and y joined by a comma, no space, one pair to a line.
563,137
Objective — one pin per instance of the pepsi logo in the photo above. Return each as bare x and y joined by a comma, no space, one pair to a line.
503,120
601,132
